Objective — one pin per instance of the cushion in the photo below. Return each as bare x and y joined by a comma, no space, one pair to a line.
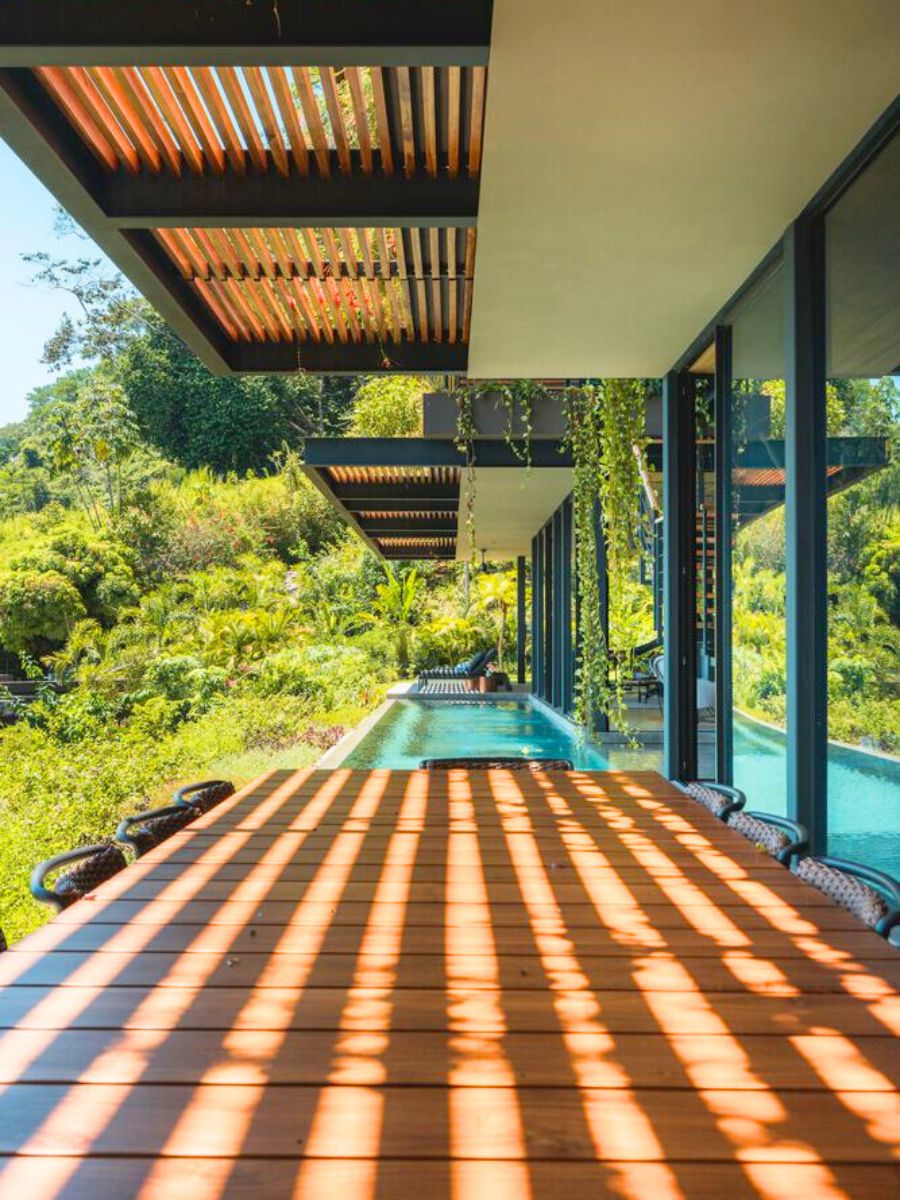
709,798
848,891
765,836
147,834
205,796
88,874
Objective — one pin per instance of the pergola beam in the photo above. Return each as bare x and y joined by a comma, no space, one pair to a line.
348,358
236,32
270,200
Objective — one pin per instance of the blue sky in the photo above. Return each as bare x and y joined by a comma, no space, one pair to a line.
28,314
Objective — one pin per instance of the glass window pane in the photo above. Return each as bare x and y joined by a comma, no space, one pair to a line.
758,568
863,487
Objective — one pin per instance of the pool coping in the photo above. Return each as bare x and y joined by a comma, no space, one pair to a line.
335,756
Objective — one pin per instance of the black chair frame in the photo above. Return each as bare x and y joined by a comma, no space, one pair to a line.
127,838
57,900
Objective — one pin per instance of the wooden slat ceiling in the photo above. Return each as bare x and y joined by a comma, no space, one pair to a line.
394,475
290,120
262,207
337,285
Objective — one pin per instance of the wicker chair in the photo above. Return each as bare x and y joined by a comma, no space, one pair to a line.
719,798
145,830
496,764
870,895
782,838
203,796
96,864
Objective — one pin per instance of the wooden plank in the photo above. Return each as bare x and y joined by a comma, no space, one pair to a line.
428,1059
476,120
603,890
232,87
183,86
757,973
285,100
418,1127
407,124
429,119
160,87
623,916
267,119
336,116
360,117
310,106
421,939
186,1178
454,100
382,123
208,88
465,1010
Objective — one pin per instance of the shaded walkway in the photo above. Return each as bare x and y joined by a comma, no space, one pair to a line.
489,985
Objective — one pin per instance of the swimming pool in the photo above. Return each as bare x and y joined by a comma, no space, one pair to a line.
863,792
415,729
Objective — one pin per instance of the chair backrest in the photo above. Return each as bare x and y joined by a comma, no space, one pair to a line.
145,830
870,895
204,795
93,866
657,666
720,799
782,838
497,763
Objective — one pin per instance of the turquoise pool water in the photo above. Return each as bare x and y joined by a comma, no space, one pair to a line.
415,729
863,793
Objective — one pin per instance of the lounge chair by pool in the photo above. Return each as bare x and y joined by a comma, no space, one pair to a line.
471,668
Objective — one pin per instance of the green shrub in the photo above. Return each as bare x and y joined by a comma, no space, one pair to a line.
37,610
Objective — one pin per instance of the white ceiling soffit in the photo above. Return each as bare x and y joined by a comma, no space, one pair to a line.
511,505
642,156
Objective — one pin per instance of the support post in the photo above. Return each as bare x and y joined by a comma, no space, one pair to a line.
537,614
805,527
549,665
521,630
680,607
724,530
567,642
602,719
558,609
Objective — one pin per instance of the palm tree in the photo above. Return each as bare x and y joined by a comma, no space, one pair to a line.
393,607
498,592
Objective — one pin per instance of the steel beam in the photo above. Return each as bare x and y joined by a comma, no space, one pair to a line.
567,649
426,452
235,32
346,358
401,528
261,200
679,511
806,529
602,718
537,614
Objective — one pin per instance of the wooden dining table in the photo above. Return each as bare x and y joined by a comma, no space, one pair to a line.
477,985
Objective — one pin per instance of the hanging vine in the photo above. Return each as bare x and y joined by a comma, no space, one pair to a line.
606,437
466,432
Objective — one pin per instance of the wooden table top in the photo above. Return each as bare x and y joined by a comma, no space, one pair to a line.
484,985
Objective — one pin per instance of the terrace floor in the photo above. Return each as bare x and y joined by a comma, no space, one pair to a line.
485,986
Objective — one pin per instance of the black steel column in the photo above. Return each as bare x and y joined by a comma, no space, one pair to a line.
805,528
558,613
602,719
568,650
537,614
547,691
724,532
521,630
679,602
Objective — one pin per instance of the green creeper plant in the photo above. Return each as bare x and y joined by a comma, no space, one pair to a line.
605,433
